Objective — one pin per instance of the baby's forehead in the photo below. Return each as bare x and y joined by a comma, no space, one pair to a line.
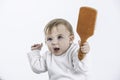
57,33
57,29
54,35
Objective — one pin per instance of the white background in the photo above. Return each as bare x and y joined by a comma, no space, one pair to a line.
22,23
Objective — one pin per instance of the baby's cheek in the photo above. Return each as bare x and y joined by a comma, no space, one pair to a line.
49,48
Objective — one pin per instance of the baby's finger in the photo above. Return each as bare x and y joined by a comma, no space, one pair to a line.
36,46
85,43
84,50
85,47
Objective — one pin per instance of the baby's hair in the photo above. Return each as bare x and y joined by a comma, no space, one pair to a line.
55,23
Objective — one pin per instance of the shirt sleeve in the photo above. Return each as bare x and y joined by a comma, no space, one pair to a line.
37,62
78,66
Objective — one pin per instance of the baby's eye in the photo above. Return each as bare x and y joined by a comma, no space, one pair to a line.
60,37
49,39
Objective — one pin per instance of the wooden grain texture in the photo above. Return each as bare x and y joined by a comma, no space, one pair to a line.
86,25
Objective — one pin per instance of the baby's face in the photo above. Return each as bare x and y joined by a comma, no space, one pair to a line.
59,40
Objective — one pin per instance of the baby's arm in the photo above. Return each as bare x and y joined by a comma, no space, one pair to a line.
80,65
84,49
37,62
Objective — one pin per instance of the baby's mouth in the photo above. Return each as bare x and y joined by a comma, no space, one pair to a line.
56,49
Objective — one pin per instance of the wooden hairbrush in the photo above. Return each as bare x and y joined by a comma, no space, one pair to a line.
85,25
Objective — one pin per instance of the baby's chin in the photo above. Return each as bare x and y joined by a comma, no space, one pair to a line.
57,54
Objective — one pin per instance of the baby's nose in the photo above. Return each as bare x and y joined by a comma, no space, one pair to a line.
55,41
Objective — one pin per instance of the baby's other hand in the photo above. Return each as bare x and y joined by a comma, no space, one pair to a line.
36,46
85,48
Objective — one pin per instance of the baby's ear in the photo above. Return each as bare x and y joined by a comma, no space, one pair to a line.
71,38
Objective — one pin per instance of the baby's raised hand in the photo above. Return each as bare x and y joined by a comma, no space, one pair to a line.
36,46
85,48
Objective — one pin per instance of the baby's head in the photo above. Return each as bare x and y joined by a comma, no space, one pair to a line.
58,36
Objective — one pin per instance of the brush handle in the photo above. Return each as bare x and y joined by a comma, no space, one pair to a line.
80,54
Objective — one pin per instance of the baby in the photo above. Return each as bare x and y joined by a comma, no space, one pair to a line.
61,61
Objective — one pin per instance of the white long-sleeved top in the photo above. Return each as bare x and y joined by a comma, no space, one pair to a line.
64,67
